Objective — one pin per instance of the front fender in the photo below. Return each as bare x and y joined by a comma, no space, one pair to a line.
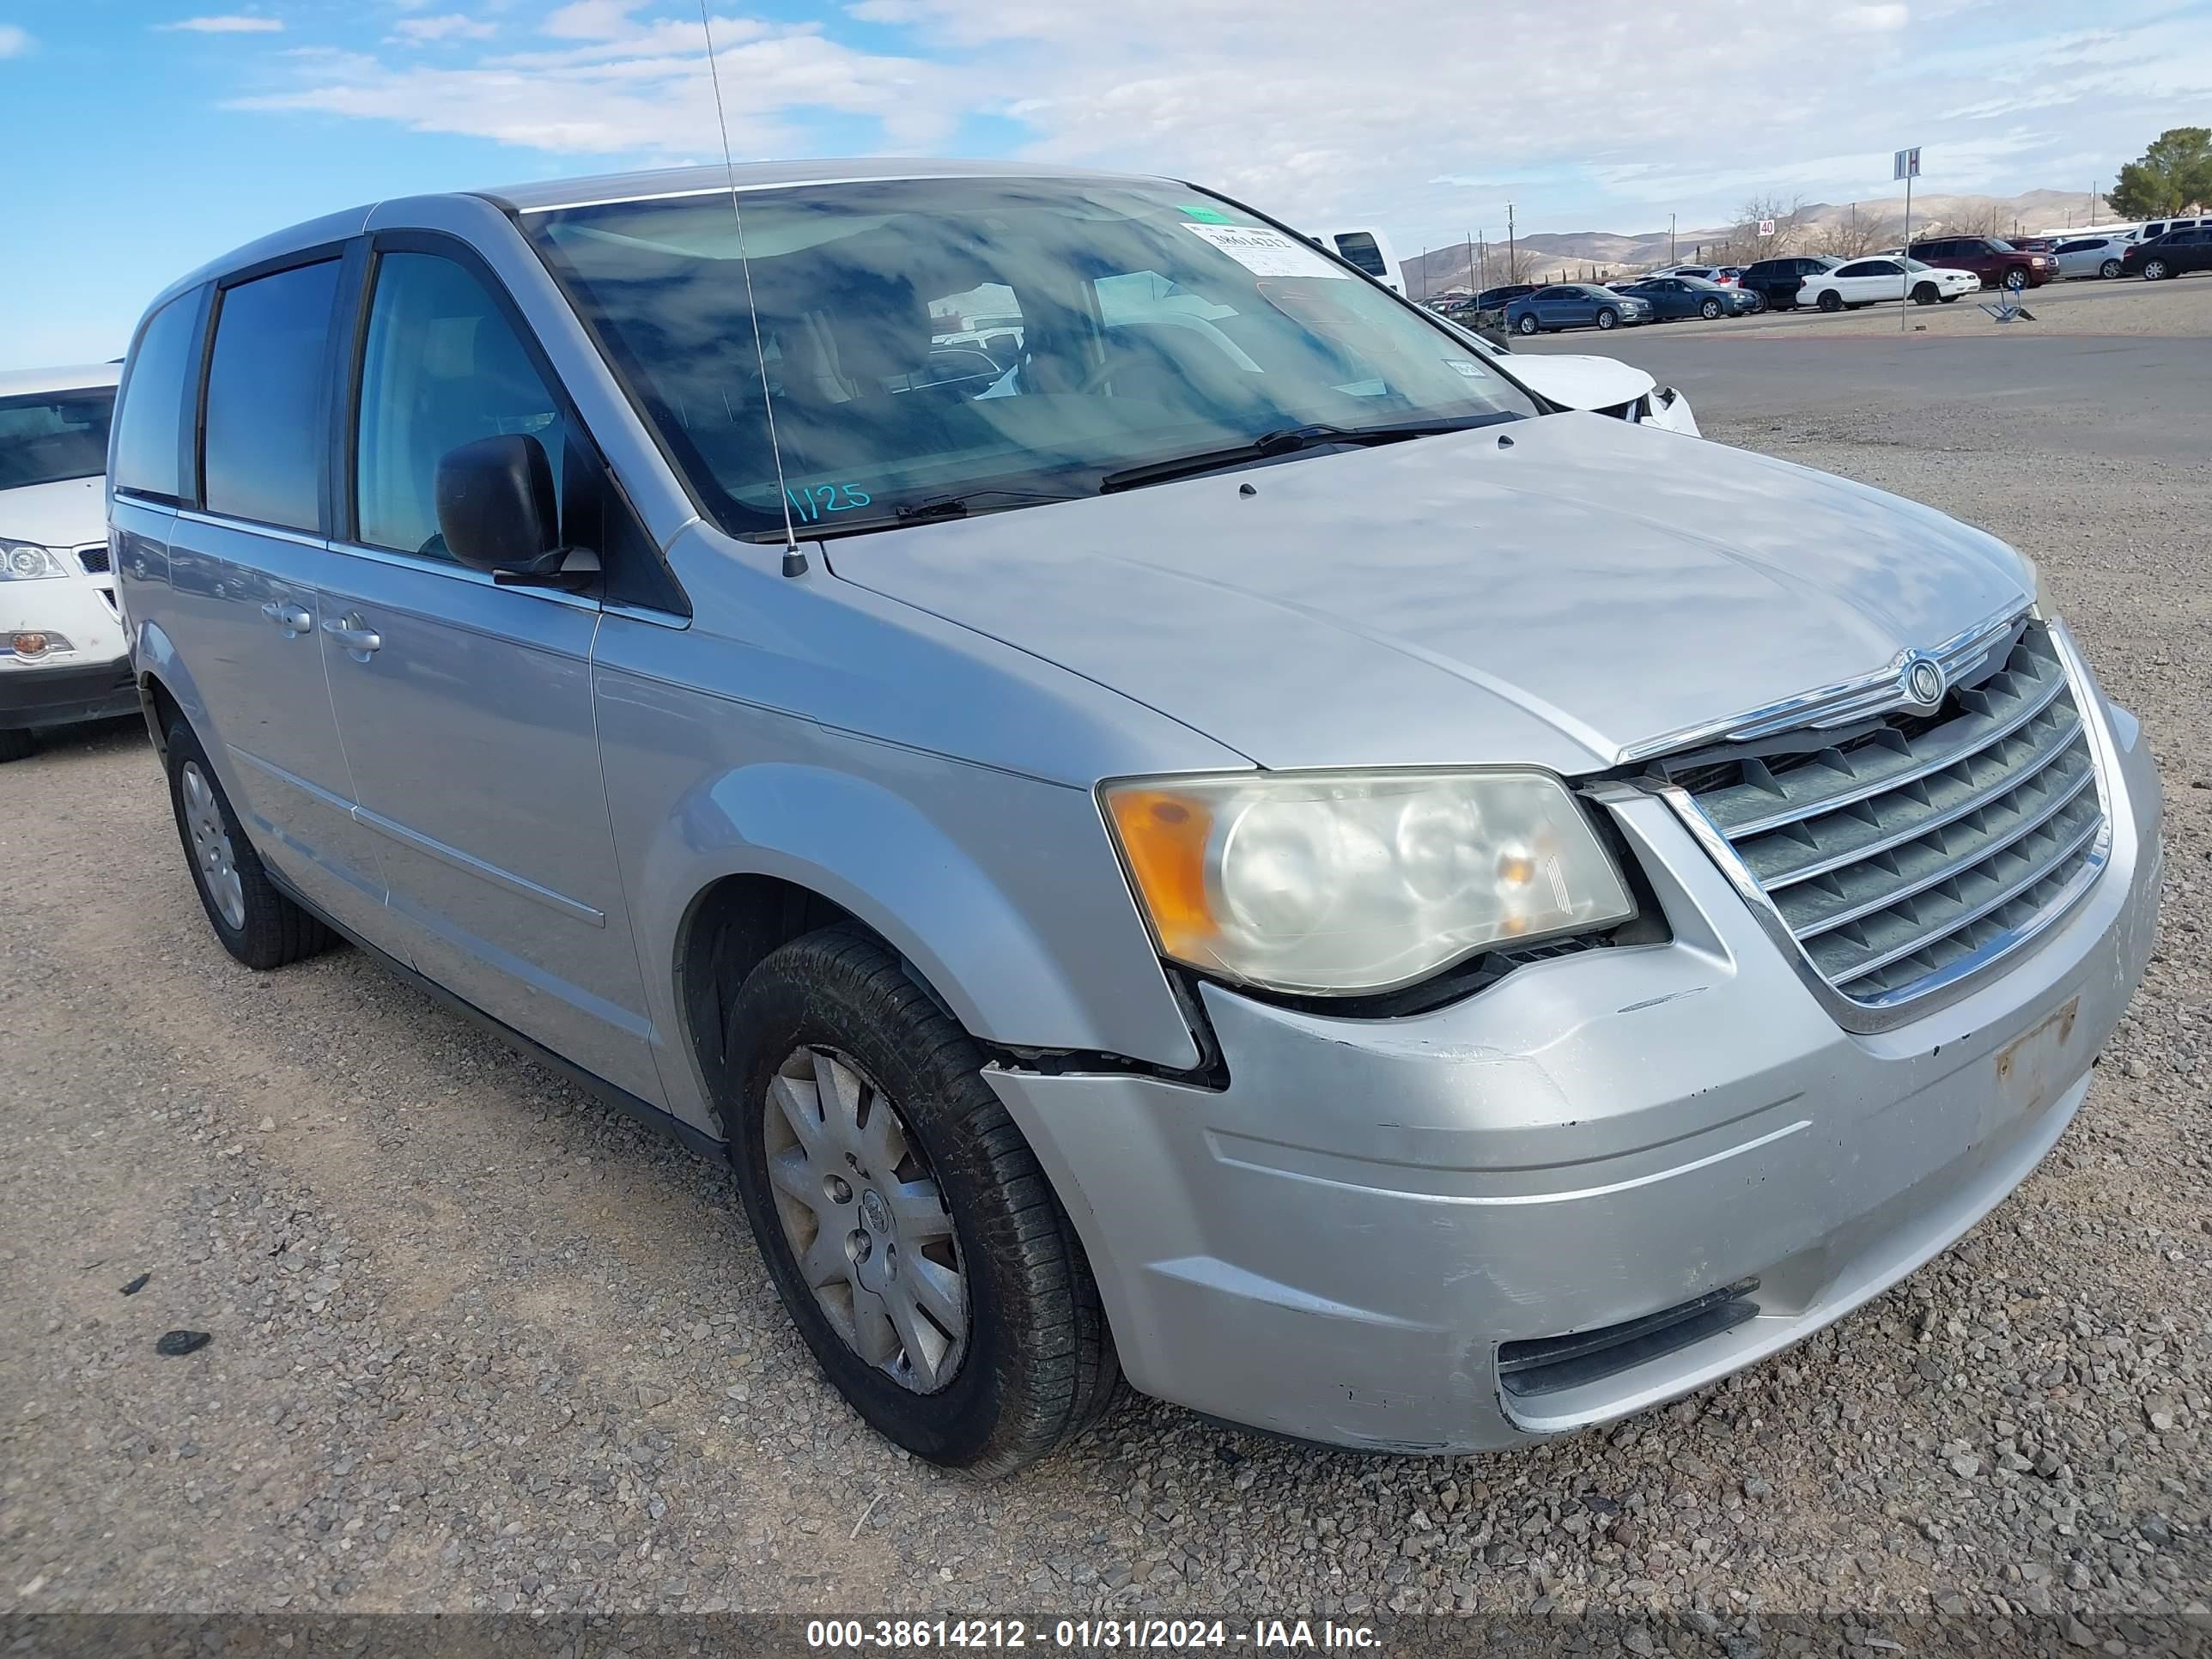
1003,891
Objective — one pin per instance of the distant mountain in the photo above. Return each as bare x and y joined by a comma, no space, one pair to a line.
1599,254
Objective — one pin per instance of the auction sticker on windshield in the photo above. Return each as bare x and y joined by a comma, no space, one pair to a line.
1266,252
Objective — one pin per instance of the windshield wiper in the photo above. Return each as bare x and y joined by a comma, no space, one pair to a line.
1286,440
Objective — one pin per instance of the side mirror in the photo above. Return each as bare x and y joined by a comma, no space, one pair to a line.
497,512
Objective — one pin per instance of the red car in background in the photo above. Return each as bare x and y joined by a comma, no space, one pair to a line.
1998,263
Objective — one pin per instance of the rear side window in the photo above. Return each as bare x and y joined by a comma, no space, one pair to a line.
146,457
1359,248
264,397
440,367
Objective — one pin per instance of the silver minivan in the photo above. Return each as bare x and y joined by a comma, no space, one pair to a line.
1169,820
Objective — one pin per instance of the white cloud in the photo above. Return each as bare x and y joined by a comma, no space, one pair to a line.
1323,114
451,26
14,41
234,23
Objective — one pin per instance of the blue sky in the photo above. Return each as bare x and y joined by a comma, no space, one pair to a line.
162,132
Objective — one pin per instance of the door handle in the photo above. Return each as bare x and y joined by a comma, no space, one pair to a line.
292,618
360,640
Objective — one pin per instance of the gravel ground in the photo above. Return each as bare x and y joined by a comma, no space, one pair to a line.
477,1344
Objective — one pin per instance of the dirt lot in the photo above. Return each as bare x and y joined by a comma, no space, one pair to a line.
478,1345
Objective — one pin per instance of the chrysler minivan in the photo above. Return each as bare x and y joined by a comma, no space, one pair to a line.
1246,851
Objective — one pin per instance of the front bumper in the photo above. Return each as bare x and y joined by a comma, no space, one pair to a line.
90,681
1334,1246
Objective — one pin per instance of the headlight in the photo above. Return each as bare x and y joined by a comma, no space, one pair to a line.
27,562
1334,883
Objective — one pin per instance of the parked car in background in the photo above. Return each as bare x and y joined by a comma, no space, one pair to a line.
62,654
1719,274
1674,298
1255,858
2174,254
2034,243
1575,305
1996,262
1369,251
1497,299
2154,229
1777,282
2091,256
1868,282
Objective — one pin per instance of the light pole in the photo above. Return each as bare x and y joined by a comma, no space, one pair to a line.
1670,239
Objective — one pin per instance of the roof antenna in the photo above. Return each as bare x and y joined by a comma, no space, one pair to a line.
794,560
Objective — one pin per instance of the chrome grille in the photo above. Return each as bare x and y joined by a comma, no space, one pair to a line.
1915,848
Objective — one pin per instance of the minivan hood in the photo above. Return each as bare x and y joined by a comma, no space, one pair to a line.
1552,592
69,512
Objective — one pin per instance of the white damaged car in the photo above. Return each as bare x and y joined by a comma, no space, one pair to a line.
62,652
1605,386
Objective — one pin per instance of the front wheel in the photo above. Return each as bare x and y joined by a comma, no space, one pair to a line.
1527,325
2016,279
1711,310
2109,270
1830,301
1925,295
1608,319
906,1224
256,923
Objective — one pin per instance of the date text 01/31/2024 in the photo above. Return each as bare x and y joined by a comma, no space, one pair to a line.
1084,1635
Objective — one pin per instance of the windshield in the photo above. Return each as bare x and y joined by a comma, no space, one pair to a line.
49,437
1024,338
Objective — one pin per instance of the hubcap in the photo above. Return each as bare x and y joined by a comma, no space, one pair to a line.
861,1211
211,848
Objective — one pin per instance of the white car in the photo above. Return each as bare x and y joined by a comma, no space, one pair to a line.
2091,256
1605,386
62,654
1868,281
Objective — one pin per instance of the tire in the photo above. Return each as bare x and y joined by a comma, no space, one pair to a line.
834,1015
1950,299
15,744
1609,318
2110,270
1830,301
1527,325
2154,270
1925,295
2016,279
1711,310
256,922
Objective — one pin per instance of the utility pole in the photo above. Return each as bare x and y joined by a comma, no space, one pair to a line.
1482,249
1425,276
1670,239
1472,281
1512,248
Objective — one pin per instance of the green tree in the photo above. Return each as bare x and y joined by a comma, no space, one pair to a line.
2175,172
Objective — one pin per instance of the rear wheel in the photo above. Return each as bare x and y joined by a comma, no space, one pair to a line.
1609,318
1710,310
1925,295
1830,301
1527,325
15,744
2154,270
908,1228
256,922
2109,270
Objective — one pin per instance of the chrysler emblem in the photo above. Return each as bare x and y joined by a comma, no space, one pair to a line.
1921,681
